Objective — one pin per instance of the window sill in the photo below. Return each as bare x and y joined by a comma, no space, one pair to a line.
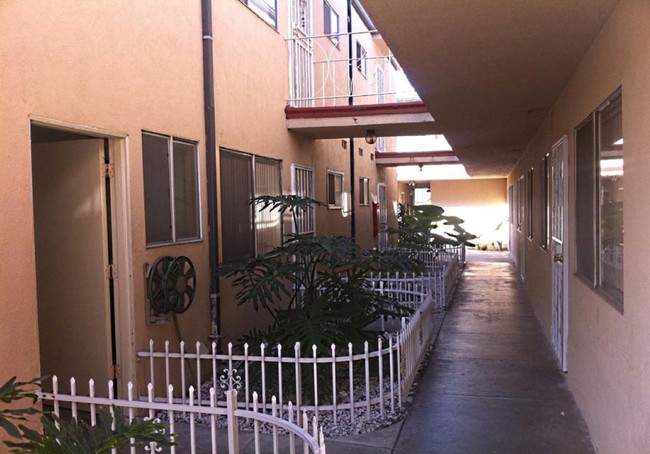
334,207
173,243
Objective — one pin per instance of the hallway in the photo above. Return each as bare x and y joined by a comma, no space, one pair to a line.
491,385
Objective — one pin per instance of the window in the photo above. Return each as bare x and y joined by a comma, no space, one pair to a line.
380,145
364,191
334,189
171,190
520,203
545,206
511,205
380,84
599,198
246,230
422,196
331,26
529,204
265,9
302,184
362,60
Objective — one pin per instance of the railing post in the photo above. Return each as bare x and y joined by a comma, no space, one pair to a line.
233,428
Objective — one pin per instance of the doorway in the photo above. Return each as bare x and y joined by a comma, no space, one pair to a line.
73,230
559,250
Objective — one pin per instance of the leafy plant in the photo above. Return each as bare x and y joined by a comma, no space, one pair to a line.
71,437
426,227
12,391
314,288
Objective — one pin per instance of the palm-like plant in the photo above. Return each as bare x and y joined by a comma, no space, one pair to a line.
112,431
427,227
314,288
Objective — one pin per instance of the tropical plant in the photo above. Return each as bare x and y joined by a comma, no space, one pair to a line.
427,227
314,288
58,436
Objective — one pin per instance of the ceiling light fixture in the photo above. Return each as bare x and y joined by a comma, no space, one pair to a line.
371,137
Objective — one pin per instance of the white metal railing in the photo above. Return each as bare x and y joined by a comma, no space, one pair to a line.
168,409
319,71
443,269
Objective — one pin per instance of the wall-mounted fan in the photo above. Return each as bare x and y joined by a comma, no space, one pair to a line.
171,284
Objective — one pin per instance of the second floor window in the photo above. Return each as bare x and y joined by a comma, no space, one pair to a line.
334,189
331,26
362,60
266,9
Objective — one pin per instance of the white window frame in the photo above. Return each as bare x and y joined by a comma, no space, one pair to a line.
364,191
333,33
264,11
296,190
335,205
170,155
362,59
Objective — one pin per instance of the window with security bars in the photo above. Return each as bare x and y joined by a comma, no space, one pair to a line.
246,230
302,184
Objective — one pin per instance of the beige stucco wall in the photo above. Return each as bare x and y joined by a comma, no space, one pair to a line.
251,96
481,203
608,351
117,68
91,64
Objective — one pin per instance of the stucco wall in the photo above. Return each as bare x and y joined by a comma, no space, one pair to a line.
91,64
608,351
114,69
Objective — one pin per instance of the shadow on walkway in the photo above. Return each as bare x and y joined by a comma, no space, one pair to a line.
491,385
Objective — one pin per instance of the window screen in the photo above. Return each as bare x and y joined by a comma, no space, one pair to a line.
236,212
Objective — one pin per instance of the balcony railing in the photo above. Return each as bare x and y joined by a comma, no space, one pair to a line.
319,69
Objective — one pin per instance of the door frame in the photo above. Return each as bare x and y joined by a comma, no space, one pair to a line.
118,143
563,143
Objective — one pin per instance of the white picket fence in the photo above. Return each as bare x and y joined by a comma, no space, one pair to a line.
339,381
153,408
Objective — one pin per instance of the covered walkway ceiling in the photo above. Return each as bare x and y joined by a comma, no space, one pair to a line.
488,71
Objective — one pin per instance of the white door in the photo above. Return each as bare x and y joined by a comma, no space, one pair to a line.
559,250
71,241
383,217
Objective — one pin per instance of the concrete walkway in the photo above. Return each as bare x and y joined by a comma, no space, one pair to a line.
492,385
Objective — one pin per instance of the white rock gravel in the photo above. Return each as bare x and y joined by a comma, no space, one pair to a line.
344,425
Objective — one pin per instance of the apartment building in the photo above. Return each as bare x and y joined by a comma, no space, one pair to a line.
106,165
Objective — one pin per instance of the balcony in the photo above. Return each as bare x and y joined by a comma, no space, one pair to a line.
344,84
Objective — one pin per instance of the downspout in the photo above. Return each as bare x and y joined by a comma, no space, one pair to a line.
211,169
350,103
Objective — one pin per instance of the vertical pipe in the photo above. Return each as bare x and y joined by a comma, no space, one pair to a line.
211,167
353,220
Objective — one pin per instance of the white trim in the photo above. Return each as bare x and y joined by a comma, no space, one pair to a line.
327,187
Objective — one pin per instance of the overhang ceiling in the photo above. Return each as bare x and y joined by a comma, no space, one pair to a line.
489,70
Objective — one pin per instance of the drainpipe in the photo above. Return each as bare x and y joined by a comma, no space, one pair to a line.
211,169
352,150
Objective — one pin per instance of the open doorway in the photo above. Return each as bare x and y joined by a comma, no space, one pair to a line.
73,229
